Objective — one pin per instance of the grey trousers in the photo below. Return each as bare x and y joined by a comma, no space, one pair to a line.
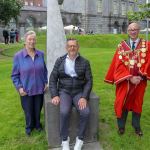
67,101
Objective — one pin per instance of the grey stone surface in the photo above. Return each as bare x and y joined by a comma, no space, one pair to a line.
87,146
55,34
22,32
52,122
74,6
1,34
55,48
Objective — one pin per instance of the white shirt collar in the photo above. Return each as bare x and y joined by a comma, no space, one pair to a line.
136,42
72,59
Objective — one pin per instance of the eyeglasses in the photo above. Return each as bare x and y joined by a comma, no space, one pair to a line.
131,30
69,46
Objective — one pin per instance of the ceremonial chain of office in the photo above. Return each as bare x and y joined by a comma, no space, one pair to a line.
130,58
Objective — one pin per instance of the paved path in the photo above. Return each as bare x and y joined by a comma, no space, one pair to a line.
87,146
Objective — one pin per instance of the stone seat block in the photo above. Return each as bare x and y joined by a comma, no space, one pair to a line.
52,126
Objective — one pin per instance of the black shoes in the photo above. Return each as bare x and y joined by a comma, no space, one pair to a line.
28,132
138,132
39,129
121,131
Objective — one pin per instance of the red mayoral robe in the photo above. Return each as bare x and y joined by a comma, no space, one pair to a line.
125,64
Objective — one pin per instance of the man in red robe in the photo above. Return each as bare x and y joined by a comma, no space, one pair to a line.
129,71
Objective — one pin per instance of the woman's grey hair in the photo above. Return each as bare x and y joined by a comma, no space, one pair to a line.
29,33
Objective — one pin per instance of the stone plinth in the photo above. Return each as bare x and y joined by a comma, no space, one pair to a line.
52,122
86,146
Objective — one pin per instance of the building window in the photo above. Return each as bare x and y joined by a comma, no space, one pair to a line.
31,4
99,6
123,9
131,6
115,7
26,3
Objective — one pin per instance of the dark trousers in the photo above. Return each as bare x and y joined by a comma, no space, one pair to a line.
12,38
32,106
135,120
66,103
6,39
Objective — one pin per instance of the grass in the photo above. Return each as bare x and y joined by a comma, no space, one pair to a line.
99,50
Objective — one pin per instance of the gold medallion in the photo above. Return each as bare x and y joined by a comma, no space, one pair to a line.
120,57
139,65
124,54
143,50
126,63
143,54
142,61
119,52
132,62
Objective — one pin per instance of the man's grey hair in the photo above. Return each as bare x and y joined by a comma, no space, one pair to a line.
137,24
73,39
29,33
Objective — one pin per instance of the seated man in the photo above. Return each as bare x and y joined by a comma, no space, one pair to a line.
70,84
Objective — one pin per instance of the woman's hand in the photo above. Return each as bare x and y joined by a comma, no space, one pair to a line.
46,87
22,92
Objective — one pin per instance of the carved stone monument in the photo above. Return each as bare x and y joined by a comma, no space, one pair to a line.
55,48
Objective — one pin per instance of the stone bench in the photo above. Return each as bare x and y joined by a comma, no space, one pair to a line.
52,122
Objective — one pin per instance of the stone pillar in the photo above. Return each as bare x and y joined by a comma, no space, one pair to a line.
55,34
55,48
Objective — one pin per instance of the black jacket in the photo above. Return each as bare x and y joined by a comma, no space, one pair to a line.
59,80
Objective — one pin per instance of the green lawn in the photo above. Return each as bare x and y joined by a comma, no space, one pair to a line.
99,50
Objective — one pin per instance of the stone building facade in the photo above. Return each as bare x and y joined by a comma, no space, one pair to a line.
102,16
98,16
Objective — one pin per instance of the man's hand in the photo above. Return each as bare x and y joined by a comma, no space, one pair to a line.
82,103
22,92
135,79
55,100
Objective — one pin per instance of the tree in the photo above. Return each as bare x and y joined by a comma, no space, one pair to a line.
9,9
142,14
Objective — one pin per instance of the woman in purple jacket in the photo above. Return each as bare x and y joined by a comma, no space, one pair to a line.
29,76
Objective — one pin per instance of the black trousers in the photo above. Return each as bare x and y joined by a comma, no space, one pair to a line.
32,106
135,120
6,39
